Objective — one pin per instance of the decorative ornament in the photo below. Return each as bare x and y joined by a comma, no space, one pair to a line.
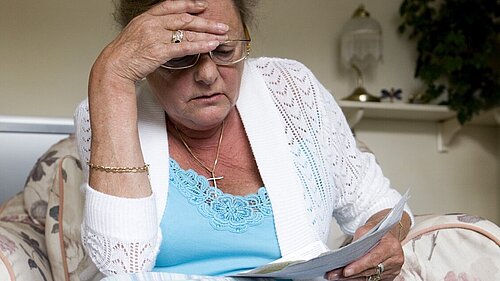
391,94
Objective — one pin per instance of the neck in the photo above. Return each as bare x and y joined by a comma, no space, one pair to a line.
211,170
198,139
201,143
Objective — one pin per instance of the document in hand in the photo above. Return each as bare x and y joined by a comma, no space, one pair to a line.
329,260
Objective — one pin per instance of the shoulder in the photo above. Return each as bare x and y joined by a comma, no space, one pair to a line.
286,74
279,72
264,63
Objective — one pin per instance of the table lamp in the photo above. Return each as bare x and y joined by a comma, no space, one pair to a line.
360,48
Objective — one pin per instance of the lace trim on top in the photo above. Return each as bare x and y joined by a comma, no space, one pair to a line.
225,211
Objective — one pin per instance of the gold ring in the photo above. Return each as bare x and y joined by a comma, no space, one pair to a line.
177,36
378,271
374,277
380,268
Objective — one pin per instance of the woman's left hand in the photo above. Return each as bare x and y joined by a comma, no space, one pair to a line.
388,252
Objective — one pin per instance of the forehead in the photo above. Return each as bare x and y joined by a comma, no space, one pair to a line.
223,11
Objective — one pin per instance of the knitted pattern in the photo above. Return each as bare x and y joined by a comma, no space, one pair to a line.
335,177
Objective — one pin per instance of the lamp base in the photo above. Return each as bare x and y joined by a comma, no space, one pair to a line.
360,94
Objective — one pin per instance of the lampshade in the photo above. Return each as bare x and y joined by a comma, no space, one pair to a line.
360,47
361,40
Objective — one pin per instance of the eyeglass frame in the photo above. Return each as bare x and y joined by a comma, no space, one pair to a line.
248,48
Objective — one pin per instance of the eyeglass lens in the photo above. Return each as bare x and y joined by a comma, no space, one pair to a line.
227,53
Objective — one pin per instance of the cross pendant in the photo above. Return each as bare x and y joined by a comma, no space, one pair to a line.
215,179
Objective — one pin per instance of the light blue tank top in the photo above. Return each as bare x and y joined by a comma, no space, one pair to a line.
208,232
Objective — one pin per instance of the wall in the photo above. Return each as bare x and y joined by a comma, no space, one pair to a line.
47,49
309,31
466,179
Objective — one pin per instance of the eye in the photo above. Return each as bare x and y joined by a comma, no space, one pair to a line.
182,61
224,52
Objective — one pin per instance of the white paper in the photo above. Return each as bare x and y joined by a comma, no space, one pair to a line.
309,268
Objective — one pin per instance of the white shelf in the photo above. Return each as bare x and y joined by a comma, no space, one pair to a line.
448,124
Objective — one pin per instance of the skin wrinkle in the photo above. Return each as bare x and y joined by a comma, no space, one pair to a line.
184,95
219,79
197,100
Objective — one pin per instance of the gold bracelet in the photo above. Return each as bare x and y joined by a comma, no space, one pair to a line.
401,227
143,169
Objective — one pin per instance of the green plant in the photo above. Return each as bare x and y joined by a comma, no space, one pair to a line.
458,46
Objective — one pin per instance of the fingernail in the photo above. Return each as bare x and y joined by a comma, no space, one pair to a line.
200,3
333,276
222,27
213,44
222,38
348,272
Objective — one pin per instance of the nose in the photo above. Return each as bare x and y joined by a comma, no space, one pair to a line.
206,70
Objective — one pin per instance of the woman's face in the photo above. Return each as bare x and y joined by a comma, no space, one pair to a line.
200,97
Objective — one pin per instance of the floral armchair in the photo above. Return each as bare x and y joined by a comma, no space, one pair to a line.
40,227
40,232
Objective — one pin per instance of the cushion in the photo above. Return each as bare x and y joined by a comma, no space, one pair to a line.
67,257
452,247
53,200
22,245
41,177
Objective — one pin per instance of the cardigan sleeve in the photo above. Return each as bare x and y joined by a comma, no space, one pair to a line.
338,179
121,235
362,187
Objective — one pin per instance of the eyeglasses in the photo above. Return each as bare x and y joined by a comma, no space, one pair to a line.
227,53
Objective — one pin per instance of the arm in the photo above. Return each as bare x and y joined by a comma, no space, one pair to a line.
388,252
137,51
120,228
366,197
112,227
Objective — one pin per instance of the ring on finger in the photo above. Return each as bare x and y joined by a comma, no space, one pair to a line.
374,277
378,271
380,268
177,36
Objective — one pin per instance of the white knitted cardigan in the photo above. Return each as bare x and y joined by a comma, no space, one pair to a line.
305,153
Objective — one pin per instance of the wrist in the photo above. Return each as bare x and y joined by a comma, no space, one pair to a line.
104,76
112,104
401,229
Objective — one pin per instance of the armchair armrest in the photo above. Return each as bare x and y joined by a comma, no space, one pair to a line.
451,247
23,254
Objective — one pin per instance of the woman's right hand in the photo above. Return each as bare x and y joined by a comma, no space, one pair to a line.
142,46
145,43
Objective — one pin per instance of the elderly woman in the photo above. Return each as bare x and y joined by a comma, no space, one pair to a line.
202,161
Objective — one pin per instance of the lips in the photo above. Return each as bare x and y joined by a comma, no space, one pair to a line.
207,96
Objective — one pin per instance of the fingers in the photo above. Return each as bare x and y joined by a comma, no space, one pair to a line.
190,48
176,7
146,42
363,229
388,252
336,274
192,43
192,36
182,15
200,35
194,23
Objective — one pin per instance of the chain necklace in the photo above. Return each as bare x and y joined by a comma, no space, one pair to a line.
211,171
